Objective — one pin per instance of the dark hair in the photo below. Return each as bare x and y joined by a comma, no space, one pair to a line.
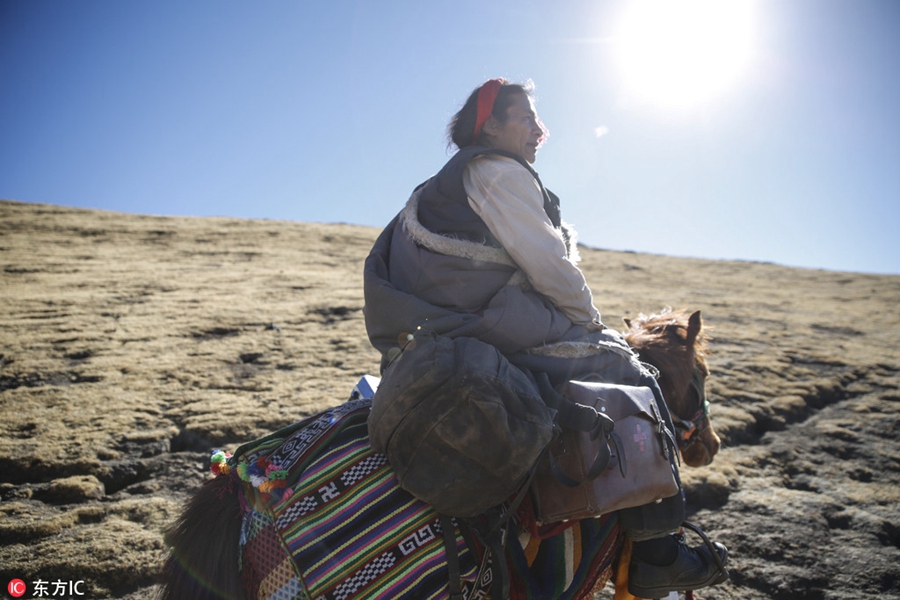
462,125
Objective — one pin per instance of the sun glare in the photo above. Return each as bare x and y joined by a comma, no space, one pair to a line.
681,53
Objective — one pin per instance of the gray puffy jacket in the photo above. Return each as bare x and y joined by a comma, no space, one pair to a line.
415,278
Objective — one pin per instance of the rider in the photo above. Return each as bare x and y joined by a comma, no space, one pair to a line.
480,251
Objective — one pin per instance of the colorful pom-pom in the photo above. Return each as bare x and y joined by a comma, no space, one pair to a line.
277,484
279,474
220,456
219,463
256,470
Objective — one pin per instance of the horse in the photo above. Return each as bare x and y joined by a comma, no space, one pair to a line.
671,341
312,512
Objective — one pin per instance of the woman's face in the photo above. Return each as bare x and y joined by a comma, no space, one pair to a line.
521,132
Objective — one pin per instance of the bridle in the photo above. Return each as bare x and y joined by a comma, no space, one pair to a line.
688,430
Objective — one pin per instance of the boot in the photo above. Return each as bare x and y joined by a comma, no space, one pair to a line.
693,568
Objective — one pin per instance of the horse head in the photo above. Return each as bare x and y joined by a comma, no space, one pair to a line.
674,342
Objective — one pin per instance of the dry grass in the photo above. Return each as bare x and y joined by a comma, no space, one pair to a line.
130,345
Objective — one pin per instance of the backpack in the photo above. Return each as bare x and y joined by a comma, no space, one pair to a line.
461,426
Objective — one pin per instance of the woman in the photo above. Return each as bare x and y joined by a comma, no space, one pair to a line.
480,251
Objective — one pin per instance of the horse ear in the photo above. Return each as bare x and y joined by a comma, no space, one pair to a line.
627,322
695,324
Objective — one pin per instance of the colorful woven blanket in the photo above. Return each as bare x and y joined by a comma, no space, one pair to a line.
325,519
339,526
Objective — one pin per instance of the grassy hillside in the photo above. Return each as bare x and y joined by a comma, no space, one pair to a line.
130,345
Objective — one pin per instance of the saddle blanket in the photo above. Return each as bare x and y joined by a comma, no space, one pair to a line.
333,522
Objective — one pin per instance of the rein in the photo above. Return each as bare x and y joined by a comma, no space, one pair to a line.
688,429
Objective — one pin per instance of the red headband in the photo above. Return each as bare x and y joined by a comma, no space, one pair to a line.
487,95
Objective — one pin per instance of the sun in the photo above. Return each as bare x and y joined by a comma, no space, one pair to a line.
680,53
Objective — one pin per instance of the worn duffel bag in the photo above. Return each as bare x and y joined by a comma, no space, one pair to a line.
461,426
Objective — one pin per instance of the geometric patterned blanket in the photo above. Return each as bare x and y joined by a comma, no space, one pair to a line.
324,518
339,526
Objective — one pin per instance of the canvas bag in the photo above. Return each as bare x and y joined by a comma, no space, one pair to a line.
639,471
461,426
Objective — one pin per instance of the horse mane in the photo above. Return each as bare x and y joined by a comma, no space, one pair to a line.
674,342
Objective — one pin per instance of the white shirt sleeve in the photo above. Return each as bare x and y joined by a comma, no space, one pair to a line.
508,199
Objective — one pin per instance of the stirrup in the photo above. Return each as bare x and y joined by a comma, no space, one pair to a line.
710,546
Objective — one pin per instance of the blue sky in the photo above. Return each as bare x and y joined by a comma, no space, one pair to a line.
334,111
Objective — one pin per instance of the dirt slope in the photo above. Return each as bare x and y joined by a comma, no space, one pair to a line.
131,345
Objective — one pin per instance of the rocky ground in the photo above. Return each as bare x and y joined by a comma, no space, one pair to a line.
131,345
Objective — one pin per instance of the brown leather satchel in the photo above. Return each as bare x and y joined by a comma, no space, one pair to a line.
639,470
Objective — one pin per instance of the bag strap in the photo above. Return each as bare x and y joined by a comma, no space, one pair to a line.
492,532
580,417
666,428
571,414
455,584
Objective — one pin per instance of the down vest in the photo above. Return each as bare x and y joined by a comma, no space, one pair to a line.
416,278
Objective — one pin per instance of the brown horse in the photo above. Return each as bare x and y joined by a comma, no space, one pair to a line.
204,542
676,345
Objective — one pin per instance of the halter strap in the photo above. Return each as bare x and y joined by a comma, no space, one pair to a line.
688,428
